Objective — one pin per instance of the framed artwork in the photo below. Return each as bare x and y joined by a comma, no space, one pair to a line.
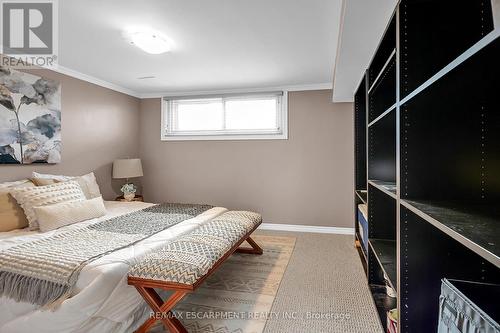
30,118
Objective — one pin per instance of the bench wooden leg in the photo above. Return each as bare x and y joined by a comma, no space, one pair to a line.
254,249
162,310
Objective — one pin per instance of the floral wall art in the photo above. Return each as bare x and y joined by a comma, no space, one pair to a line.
30,118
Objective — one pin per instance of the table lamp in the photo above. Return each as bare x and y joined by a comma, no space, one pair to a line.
126,169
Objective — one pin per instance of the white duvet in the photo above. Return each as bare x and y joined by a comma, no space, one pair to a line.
103,302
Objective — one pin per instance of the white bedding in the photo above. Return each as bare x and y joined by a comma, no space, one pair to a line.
103,302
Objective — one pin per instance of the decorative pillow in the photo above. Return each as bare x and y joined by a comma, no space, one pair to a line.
11,214
44,181
51,217
87,182
15,183
30,197
89,185
59,178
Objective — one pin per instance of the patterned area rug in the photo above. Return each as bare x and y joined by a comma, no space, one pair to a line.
239,296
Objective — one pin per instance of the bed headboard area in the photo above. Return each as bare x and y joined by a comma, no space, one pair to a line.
98,125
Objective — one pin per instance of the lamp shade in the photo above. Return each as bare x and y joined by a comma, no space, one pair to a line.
127,168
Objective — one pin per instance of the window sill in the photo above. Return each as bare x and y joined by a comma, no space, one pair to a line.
283,136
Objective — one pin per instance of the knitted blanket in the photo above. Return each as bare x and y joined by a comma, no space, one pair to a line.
45,271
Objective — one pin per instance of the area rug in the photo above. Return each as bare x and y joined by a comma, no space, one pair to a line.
238,297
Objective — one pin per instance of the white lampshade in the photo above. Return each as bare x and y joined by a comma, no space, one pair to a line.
127,168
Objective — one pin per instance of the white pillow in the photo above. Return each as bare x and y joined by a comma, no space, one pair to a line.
89,185
58,215
16,183
88,182
59,178
30,197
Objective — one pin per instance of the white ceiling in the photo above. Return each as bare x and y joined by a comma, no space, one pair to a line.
224,44
363,25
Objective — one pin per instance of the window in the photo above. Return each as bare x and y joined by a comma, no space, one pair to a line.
225,117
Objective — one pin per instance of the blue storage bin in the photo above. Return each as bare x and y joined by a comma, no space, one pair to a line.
363,227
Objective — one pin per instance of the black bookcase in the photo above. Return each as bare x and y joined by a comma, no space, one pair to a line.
428,154
360,151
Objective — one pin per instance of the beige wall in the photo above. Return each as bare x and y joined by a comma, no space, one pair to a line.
98,125
307,179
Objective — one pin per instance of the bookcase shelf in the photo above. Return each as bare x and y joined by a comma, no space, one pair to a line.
429,255
388,188
362,195
381,214
382,149
456,126
432,147
360,135
385,253
362,253
384,51
476,227
382,240
389,62
383,303
360,189
382,115
441,31
382,95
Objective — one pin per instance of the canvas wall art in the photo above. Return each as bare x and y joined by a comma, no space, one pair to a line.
30,118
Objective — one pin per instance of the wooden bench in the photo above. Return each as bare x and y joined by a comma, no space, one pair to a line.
181,266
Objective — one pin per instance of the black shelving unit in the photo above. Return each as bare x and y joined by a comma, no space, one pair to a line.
389,188
383,302
382,259
382,149
382,95
360,190
360,136
434,33
385,254
431,142
428,256
385,51
362,195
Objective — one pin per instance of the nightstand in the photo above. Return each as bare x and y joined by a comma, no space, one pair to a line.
137,198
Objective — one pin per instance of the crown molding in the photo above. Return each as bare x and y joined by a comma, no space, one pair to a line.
106,84
91,79
302,87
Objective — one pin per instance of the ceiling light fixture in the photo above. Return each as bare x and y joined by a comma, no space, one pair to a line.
150,41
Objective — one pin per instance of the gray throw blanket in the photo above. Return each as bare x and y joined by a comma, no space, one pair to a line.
44,271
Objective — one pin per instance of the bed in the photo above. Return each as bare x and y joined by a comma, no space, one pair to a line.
102,301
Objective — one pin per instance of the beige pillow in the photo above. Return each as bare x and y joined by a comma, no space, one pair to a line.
44,181
22,182
11,214
31,197
65,213
87,182
89,185
59,178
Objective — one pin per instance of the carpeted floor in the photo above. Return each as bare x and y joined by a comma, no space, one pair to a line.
326,286
240,294
323,289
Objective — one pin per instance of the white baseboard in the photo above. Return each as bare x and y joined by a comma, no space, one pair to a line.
306,228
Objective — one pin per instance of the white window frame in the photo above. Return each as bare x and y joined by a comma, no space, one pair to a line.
282,116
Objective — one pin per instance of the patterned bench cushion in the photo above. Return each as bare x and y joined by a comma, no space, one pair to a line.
190,256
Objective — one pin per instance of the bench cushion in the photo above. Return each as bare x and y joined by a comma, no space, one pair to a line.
190,257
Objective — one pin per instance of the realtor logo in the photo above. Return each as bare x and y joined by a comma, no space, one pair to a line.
29,32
